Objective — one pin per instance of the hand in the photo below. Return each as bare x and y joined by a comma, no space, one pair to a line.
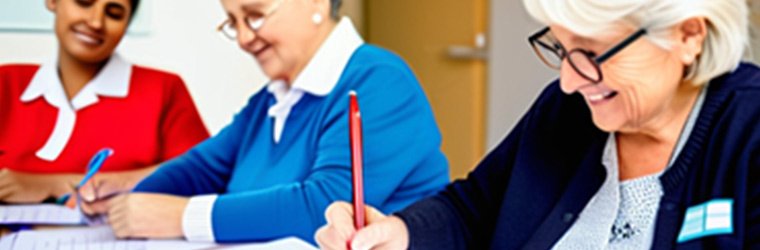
19,187
381,231
94,198
96,193
144,215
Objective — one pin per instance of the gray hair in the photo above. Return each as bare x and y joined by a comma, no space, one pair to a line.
335,8
727,25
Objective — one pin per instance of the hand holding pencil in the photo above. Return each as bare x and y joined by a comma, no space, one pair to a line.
380,232
346,223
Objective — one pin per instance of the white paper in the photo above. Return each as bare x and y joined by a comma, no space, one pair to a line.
42,214
102,237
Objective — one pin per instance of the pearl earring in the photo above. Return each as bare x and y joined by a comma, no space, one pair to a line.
317,18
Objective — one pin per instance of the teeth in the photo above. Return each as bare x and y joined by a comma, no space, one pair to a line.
596,97
86,39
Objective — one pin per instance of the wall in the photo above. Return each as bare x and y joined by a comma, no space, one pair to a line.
516,76
181,38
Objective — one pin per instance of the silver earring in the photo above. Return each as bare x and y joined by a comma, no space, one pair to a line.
687,58
317,18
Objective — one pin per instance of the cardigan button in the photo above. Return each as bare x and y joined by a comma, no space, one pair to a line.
670,206
568,217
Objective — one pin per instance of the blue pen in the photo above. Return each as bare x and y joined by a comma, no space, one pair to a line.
92,169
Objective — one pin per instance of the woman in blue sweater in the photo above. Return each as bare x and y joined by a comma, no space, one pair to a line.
286,155
649,139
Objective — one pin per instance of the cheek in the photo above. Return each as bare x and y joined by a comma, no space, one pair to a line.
644,82
115,31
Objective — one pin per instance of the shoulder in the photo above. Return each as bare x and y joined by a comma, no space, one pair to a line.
14,78
369,59
18,70
163,83
372,54
734,96
143,75
378,71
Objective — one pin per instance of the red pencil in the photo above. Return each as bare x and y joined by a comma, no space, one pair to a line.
355,131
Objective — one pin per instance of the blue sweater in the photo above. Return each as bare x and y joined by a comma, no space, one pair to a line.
271,190
528,191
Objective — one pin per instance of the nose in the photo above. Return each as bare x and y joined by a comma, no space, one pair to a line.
95,19
570,80
245,37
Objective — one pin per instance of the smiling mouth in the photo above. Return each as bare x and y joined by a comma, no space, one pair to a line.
87,38
261,51
602,96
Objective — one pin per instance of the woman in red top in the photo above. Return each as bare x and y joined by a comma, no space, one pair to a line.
54,117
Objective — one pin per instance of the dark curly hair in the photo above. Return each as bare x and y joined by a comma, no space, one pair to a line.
135,4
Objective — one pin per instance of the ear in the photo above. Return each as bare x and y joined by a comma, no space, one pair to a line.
689,37
50,4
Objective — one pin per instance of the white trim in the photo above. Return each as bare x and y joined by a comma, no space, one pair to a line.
113,81
196,219
319,76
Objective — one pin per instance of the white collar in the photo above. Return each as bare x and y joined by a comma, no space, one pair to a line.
112,81
323,71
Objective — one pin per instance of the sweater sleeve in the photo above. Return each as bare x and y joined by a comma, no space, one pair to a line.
393,116
464,214
466,209
205,168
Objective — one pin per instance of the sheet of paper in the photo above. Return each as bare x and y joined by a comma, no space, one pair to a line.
102,237
42,214
285,243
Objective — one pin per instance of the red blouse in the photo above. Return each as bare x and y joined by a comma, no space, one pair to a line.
156,121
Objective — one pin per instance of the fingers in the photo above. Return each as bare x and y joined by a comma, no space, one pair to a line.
71,202
339,228
118,217
387,233
96,207
341,215
371,236
87,192
373,214
329,239
107,189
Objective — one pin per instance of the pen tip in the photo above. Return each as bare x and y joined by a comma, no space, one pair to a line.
352,93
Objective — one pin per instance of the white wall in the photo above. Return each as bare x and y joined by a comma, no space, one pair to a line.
516,76
182,38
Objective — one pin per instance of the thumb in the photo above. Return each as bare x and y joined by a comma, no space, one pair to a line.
374,235
87,192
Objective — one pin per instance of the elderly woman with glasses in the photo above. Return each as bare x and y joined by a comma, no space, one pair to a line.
286,156
649,139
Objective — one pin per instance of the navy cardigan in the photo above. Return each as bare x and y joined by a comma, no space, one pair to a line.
529,190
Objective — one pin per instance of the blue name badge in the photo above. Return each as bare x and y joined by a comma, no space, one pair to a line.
710,218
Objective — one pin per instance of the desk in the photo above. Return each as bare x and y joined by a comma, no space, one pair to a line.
102,237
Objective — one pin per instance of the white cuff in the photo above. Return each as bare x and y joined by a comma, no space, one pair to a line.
196,220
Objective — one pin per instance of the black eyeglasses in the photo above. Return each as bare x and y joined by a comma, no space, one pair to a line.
586,63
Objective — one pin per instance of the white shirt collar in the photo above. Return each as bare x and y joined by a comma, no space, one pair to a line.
319,76
112,81
323,71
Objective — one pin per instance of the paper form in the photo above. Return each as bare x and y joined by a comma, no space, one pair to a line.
102,237
42,214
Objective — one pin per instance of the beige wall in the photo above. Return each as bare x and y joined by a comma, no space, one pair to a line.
355,10
516,75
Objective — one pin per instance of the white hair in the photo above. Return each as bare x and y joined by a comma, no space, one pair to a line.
723,48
